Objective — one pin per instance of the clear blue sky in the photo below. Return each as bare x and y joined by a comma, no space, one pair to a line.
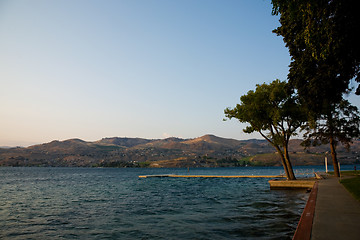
131,68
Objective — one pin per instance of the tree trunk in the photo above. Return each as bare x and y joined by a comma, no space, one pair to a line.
288,164
283,162
334,158
286,169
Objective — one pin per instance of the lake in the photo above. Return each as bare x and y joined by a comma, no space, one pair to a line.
113,203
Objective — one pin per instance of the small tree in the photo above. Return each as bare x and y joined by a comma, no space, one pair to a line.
274,112
340,125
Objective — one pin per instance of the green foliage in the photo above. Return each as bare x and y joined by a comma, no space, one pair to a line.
144,164
353,186
322,38
342,125
273,111
117,164
229,162
245,161
264,159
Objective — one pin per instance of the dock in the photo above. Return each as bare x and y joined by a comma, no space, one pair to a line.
210,176
291,184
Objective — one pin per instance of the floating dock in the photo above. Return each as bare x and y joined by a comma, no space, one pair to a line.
291,184
211,176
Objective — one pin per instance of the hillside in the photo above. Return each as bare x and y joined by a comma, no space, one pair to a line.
205,151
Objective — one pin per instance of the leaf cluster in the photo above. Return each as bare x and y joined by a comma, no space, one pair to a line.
323,42
342,124
272,109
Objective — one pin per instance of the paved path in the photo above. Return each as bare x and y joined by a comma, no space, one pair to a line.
337,213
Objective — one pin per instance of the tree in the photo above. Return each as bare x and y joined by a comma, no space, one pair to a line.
322,39
274,112
341,126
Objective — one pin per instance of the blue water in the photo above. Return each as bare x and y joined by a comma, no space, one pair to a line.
110,203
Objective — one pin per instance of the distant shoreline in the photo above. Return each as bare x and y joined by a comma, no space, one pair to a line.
205,151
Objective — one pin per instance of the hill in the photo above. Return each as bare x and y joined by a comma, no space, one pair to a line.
205,151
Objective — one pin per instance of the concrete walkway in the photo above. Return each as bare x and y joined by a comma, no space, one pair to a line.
337,213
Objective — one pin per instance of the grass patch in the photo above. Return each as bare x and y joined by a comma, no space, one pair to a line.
144,164
347,173
353,186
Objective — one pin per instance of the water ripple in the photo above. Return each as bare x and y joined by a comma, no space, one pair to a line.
83,203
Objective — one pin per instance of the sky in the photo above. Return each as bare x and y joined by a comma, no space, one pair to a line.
153,69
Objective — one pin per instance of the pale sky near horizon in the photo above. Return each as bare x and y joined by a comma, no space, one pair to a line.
132,68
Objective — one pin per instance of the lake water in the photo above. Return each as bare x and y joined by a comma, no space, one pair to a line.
110,203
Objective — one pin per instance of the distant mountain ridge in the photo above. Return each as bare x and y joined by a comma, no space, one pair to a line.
206,151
